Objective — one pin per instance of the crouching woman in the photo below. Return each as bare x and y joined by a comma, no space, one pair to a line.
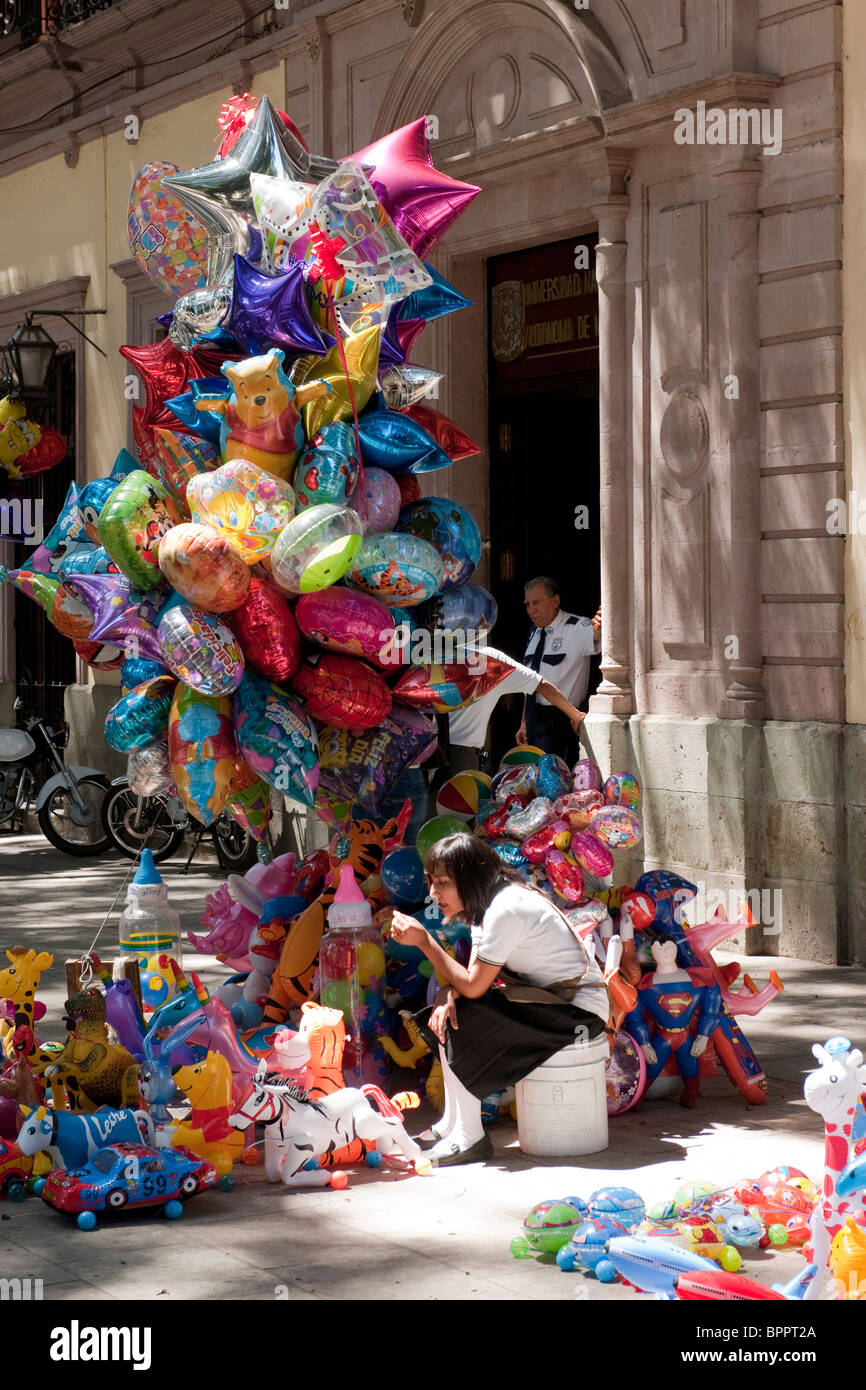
531,987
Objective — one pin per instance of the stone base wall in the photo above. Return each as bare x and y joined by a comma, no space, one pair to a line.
774,809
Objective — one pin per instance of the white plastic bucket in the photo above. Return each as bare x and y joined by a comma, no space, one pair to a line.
562,1105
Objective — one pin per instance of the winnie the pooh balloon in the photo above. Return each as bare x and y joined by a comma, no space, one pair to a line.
260,419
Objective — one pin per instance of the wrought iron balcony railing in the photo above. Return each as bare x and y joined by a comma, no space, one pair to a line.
31,20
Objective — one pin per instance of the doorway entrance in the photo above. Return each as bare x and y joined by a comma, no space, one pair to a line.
544,441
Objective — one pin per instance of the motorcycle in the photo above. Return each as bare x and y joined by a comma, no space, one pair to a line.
68,799
160,823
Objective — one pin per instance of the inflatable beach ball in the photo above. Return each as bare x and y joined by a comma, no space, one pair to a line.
462,795
551,1224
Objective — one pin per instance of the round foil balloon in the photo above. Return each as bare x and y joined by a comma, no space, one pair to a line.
617,826
276,738
203,751
342,691
200,650
378,501
586,776
622,789
345,621
204,566
267,632
140,719
592,856
169,243
316,549
327,471
362,768
249,506
398,568
136,670
468,607
451,529
148,770
132,523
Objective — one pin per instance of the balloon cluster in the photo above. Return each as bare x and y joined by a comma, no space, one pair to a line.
558,827
251,569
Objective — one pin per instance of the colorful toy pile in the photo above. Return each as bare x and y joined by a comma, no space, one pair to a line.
690,1246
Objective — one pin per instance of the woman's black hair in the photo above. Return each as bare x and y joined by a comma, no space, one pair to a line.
476,869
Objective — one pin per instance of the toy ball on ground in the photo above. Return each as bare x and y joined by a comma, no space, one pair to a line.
617,826
316,548
434,830
551,1224
589,1240
451,529
783,1174
86,1221
622,789
173,1209
622,1204
693,1195
462,795
400,569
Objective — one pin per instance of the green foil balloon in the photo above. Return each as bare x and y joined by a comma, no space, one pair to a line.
133,522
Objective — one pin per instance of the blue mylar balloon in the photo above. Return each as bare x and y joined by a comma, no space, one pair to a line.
396,442
434,300
451,529
271,311
468,607
554,776
276,737
140,719
135,670
201,422
94,560
328,470
402,875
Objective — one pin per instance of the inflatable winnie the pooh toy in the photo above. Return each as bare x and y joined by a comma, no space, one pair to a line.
260,418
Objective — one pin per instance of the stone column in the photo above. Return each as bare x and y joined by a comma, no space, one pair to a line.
614,695
745,697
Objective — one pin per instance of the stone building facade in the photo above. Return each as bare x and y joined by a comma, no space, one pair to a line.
704,144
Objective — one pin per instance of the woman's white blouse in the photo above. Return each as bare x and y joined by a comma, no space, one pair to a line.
523,931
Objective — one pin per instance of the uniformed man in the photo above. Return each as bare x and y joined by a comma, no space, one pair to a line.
560,648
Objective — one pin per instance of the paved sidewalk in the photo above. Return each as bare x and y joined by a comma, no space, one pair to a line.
393,1236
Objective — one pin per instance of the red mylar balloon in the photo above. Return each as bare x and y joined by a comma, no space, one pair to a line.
421,202
142,436
456,444
449,686
237,113
50,451
410,488
267,632
166,372
99,655
342,691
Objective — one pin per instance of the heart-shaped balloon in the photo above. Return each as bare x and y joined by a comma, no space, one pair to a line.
564,875
592,856
555,835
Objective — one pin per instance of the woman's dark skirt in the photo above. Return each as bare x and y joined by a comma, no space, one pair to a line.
497,1042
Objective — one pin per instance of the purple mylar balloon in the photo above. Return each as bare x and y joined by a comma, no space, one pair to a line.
118,617
271,311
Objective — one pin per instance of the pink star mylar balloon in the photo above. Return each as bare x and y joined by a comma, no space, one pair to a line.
421,201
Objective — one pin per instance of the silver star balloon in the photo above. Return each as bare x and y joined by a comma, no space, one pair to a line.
219,193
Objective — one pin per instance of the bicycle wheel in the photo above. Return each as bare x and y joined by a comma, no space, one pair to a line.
70,829
133,823
235,847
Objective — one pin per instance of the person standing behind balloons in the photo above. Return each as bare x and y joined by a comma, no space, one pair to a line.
560,647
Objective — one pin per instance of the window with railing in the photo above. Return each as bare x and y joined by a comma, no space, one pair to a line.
31,20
